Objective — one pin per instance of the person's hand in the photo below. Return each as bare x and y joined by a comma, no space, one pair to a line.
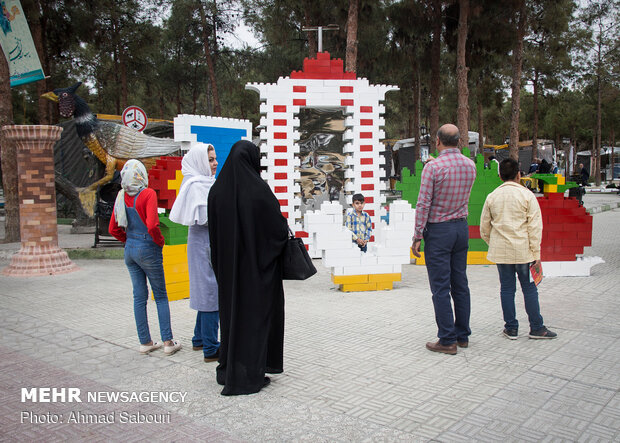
415,248
360,242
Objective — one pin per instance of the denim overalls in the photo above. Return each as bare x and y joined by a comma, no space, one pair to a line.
143,258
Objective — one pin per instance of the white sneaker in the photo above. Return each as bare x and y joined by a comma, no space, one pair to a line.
145,349
169,350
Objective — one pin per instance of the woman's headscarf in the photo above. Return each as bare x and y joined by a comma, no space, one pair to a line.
134,178
190,206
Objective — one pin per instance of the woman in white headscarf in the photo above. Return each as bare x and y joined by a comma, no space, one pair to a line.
135,222
190,209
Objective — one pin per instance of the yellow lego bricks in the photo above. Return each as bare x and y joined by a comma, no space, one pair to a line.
181,288
348,279
175,271
478,258
176,183
174,254
473,258
356,287
367,282
384,278
385,285
419,260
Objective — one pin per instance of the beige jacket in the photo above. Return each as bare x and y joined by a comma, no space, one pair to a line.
511,224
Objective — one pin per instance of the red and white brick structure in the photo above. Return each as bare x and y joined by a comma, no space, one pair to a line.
39,253
323,83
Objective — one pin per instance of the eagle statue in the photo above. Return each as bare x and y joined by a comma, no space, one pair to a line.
112,143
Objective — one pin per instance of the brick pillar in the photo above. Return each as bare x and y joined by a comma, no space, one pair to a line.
39,253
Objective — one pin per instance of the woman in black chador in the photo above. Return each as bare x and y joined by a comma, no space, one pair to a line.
248,234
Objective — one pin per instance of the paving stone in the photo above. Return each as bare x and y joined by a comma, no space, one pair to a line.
356,368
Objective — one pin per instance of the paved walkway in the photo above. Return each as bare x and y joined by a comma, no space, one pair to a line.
355,364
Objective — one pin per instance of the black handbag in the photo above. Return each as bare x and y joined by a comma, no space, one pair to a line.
296,262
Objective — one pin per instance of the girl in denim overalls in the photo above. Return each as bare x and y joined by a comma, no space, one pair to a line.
135,222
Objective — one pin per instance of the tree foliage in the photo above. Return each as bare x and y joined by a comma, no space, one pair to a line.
152,53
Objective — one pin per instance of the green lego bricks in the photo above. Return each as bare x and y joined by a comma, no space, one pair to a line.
174,233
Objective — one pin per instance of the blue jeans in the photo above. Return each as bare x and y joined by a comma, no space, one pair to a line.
205,332
508,288
144,260
445,253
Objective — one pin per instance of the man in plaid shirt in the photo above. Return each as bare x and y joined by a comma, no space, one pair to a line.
441,220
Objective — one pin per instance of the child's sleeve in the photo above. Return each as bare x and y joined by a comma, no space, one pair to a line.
368,228
350,225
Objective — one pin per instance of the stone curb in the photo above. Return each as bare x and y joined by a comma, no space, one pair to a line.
603,208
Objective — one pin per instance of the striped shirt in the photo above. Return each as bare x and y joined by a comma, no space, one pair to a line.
360,225
444,190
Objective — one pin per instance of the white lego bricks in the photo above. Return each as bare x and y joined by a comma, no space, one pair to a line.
333,242
280,105
184,122
578,268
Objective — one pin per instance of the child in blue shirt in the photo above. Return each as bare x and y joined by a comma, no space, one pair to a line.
359,223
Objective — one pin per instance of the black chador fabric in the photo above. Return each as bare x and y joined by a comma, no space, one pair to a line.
248,234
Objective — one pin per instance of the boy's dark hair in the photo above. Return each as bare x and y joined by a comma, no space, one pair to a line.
358,198
508,169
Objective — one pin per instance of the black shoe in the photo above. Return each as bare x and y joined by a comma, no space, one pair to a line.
543,333
197,348
213,357
266,381
512,334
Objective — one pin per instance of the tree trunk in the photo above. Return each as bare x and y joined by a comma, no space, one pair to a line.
435,74
535,112
9,158
558,145
480,128
573,142
312,44
351,51
118,80
597,170
124,89
416,110
567,162
68,190
613,154
517,64
593,155
462,113
36,28
214,50
178,97
209,58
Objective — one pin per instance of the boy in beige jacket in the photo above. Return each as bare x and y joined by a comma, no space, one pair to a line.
511,224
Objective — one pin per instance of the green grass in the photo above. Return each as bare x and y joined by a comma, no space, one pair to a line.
95,253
